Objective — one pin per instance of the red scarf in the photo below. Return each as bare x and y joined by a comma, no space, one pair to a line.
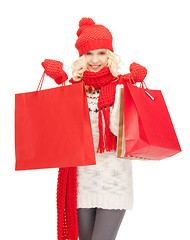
107,83
67,222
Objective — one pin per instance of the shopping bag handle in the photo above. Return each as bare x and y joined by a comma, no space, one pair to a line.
41,82
144,86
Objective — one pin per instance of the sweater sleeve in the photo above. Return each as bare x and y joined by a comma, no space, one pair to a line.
114,116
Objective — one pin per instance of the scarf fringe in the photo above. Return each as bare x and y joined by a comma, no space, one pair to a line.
101,138
107,141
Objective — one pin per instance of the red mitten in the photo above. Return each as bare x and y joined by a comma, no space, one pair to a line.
138,72
54,69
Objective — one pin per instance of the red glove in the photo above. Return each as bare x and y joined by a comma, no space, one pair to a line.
54,69
137,73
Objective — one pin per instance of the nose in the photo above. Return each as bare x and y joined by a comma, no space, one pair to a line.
94,58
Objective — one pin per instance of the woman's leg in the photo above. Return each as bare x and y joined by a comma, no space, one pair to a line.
107,224
86,218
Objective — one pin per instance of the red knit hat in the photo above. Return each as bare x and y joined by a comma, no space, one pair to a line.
92,36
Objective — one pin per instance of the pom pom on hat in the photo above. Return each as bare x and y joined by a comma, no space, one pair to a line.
92,36
84,22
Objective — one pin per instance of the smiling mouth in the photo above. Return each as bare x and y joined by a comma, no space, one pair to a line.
95,66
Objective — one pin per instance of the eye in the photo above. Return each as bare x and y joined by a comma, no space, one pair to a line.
102,53
88,53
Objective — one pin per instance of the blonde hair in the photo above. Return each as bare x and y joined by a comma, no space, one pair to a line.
80,66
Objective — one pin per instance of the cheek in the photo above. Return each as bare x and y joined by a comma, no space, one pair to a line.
105,60
88,59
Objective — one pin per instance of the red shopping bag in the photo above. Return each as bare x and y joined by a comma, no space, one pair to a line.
148,129
53,129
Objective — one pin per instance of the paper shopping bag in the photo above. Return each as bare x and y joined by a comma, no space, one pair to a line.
148,130
53,129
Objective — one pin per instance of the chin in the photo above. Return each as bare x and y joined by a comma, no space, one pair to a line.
97,70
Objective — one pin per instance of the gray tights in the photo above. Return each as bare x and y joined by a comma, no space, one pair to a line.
98,223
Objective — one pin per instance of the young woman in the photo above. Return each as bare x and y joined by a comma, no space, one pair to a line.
105,190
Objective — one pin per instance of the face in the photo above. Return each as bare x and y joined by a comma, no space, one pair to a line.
96,59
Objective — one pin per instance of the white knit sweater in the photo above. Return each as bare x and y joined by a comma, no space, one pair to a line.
108,184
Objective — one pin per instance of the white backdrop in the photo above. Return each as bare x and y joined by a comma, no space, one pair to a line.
152,33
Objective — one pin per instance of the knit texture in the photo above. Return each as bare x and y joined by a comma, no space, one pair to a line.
137,74
54,69
98,79
92,36
107,82
67,222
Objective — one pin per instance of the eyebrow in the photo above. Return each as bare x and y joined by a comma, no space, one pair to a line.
104,51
